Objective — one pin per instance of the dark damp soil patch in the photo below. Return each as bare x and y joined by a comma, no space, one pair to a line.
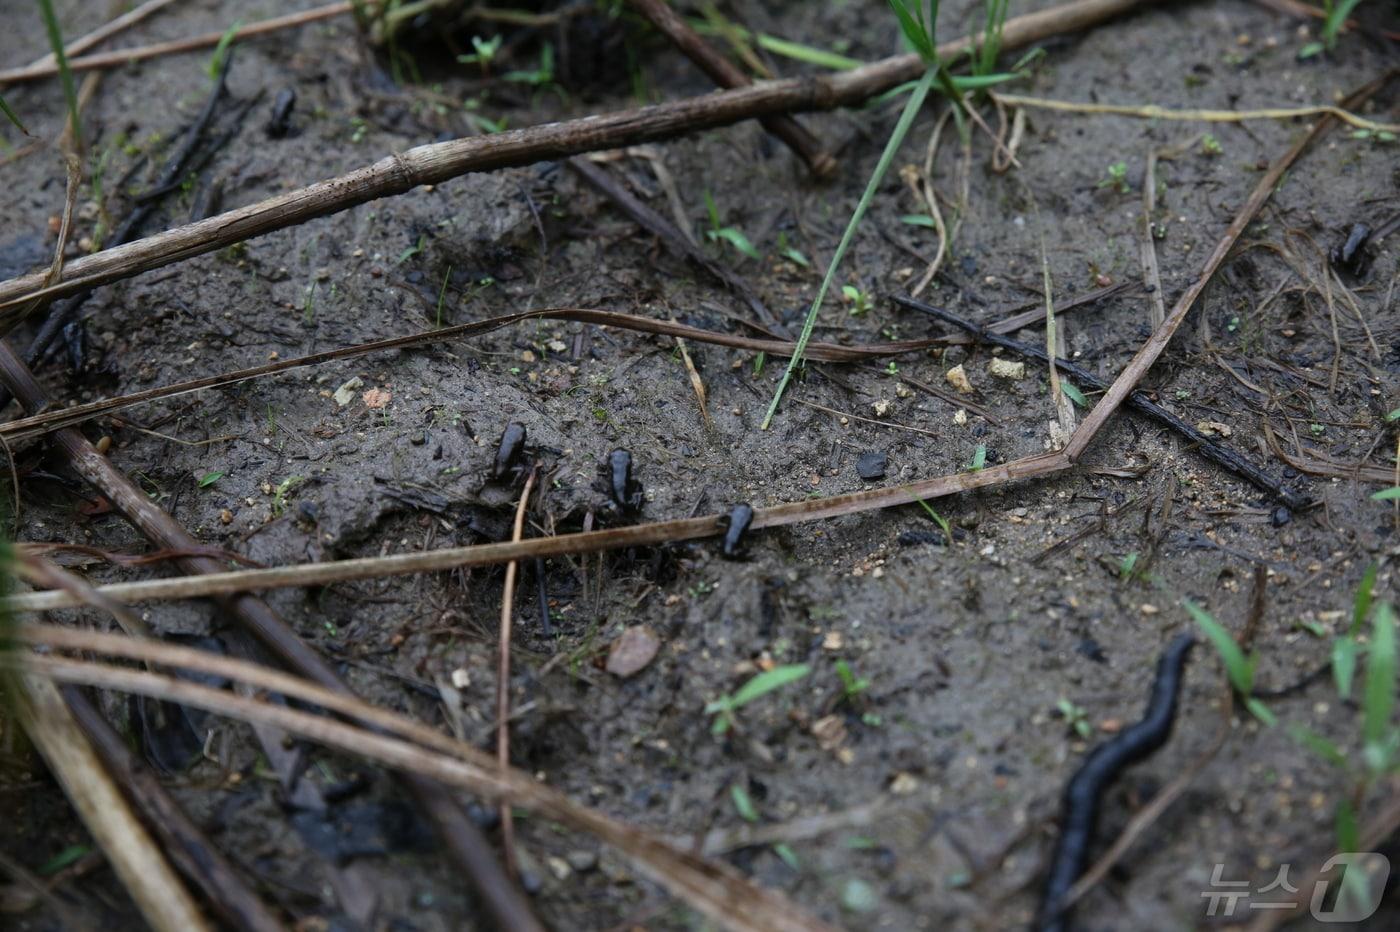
968,650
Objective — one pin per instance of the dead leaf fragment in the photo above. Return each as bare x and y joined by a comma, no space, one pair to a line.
632,651
376,398
957,377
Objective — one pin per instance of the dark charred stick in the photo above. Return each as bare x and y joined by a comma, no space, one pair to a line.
462,838
1209,448
724,73
190,851
172,173
666,231
1100,769
542,592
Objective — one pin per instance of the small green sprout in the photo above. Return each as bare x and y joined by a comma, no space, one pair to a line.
541,76
1076,718
979,459
484,54
859,300
1116,177
791,253
724,707
279,494
1210,145
743,803
731,235
851,685
209,479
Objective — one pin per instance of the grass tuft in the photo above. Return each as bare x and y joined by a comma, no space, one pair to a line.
70,92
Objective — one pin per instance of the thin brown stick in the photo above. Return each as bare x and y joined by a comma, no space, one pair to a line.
559,545
133,854
826,352
104,32
440,162
206,40
715,889
724,73
503,670
23,428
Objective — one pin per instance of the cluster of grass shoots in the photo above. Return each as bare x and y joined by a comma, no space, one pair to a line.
1378,756
1336,12
917,21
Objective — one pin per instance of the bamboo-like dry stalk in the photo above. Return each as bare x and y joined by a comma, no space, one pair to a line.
319,574
133,854
439,162
714,889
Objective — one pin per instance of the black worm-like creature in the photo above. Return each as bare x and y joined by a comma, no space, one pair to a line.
1086,789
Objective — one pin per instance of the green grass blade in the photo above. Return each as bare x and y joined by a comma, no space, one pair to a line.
1378,700
12,116
1361,605
216,61
766,682
1238,667
901,129
911,23
65,73
806,53
1344,665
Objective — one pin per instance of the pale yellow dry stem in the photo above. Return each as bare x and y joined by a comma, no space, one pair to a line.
133,854
503,669
1154,112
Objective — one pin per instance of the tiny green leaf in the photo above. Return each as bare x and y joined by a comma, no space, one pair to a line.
209,479
12,116
743,803
1386,495
766,682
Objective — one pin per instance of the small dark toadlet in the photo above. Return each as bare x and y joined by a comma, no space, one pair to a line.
737,525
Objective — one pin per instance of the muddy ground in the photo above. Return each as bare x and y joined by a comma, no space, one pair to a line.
970,651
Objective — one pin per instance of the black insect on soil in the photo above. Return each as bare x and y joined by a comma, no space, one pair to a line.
280,123
1350,254
736,526
1086,789
624,491
510,454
